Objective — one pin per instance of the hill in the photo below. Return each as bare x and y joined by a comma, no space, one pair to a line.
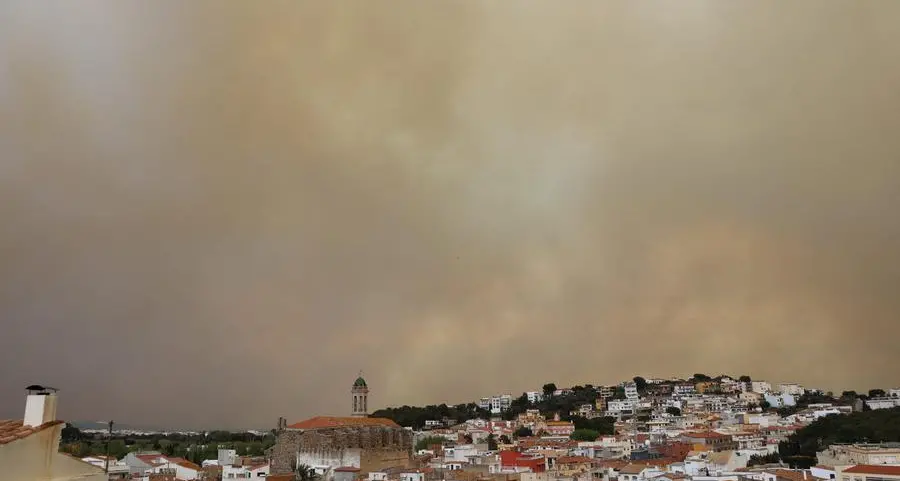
800,449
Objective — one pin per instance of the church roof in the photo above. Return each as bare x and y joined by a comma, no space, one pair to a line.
360,382
321,422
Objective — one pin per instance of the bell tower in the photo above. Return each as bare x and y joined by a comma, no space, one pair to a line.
360,393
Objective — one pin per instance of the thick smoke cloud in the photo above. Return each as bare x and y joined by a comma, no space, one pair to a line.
215,213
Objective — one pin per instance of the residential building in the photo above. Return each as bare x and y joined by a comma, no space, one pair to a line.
883,403
683,389
29,449
249,472
534,397
868,472
559,428
606,391
573,465
760,387
709,441
894,393
496,404
862,453
780,400
631,391
516,462
792,389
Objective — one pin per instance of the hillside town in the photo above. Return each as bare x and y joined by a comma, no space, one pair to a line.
701,428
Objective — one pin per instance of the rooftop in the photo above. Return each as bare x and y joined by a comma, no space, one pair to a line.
874,469
323,422
12,430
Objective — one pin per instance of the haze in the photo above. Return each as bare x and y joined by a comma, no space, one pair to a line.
216,213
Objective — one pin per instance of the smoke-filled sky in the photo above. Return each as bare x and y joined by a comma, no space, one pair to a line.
216,213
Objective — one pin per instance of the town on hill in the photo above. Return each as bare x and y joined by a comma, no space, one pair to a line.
700,428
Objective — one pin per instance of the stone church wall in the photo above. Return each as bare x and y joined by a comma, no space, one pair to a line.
375,447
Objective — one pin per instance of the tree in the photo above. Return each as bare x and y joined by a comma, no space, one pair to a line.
756,459
549,388
505,439
468,438
745,378
640,383
880,425
849,396
764,405
701,378
584,435
674,411
306,473
429,441
876,393
523,432
491,442
71,433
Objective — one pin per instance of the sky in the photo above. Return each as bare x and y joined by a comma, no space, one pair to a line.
216,213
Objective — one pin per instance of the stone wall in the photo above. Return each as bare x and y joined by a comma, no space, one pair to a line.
381,446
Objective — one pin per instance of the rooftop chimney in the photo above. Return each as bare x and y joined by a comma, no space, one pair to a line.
40,405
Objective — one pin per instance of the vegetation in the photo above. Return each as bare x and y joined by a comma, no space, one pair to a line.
429,441
756,459
604,425
549,388
491,442
585,435
193,447
523,432
640,383
881,425
674,411
415,417
306,473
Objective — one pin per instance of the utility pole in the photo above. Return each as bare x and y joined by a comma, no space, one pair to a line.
108,438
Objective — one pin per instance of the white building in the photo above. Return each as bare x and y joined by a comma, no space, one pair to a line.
894,393
631,391
534,397
760,387
792,389
29,449
683,390
883,402
244,472
780,400
496,404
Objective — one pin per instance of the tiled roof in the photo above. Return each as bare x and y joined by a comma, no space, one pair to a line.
874,469
632,469
346,469
184,463
789,474
280,477
573,459
322,422
12,430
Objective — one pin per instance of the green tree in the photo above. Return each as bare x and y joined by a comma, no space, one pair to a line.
701,378
764,405
505,439
306,473
745,378
756,459
640,383
876,393
523,432
428,441
549,388
491,442
674,411
584,435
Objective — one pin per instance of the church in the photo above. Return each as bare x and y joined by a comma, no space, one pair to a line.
356,443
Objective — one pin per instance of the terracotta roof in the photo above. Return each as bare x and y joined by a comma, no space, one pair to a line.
280,477
705,435
573,459
632,469
346,469
322,422
184,463
789,474
12,430
874,469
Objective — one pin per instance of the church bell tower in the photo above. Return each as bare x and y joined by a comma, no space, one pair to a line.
360,392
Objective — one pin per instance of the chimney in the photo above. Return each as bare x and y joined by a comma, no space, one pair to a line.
40,405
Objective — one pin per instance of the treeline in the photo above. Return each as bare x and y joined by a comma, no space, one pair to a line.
882,425
415,417
193,447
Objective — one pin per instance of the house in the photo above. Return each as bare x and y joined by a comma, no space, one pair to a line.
181,468
870,472
572,465
29,448
883,403
792,389
534,397
252,471
638,472
559,428
780,400
684,389
760,387
852,454
709,441
514,461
